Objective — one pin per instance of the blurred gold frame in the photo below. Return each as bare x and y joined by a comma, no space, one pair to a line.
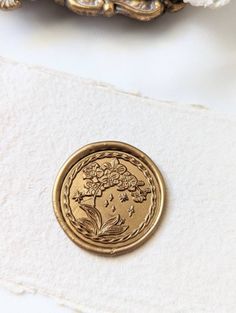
143,10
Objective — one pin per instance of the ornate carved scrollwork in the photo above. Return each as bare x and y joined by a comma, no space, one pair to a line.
144,10
9,4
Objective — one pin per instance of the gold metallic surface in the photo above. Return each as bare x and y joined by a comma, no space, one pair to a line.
9,4
143,10
108,197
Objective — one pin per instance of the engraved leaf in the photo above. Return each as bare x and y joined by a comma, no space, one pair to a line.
114,230
93,214
114,163
87,225
110,222
113,226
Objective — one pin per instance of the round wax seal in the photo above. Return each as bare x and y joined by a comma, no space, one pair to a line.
109,197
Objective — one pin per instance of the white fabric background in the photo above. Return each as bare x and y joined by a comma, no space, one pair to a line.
188,57
187,266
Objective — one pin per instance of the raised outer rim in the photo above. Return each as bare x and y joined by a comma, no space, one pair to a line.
78,155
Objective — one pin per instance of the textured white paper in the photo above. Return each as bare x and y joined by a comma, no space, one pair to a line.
188,266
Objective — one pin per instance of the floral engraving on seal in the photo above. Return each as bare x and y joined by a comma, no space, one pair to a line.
98,178
123,197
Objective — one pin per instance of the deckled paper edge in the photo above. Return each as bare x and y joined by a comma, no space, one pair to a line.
22,289
183,107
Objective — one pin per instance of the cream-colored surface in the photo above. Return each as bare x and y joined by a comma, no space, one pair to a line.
187,266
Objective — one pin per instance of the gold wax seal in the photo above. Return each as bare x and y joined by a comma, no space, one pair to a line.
108,197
